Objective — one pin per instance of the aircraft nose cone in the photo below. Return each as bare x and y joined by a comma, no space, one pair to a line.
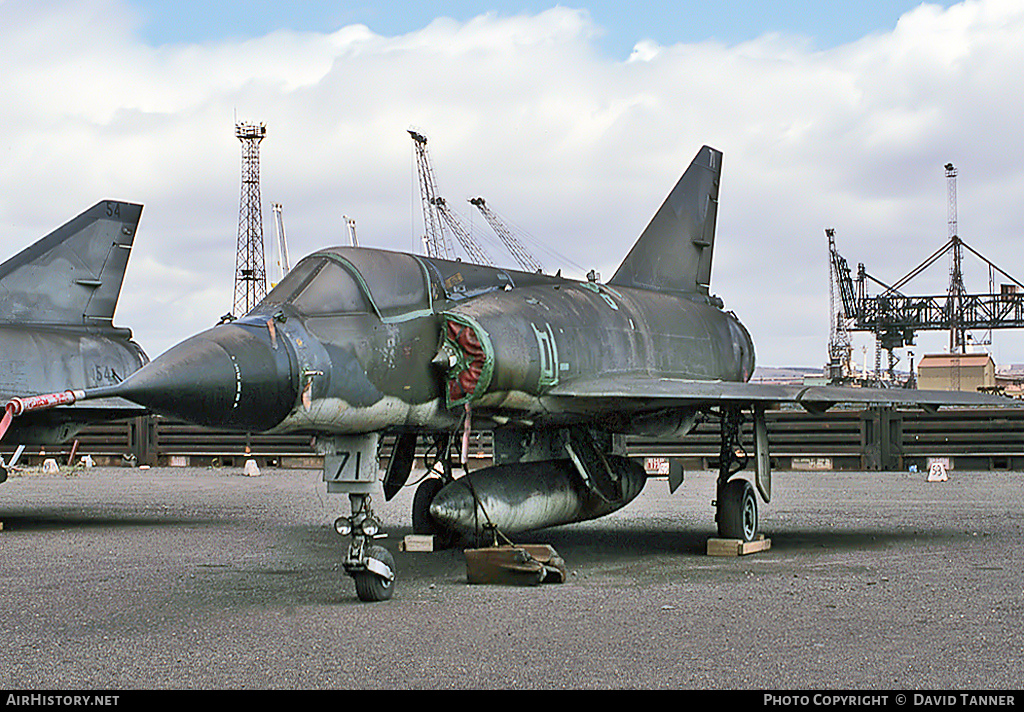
232,376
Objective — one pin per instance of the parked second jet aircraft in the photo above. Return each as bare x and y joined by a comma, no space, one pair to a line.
57,301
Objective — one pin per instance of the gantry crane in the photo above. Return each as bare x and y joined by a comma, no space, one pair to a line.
894,317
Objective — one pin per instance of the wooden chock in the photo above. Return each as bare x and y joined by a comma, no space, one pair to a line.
738,547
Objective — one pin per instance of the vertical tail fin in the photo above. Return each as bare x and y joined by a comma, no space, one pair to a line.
674,252
73,276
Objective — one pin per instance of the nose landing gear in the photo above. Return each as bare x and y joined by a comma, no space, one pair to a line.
350,467
371,566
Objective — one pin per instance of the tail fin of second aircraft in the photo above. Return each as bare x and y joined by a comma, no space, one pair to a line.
674,251
73,276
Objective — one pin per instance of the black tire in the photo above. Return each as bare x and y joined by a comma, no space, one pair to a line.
369,586
422,522
737,511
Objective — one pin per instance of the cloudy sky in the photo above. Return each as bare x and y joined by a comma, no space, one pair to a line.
572,120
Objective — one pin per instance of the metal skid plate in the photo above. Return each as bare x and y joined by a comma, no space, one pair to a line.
380,568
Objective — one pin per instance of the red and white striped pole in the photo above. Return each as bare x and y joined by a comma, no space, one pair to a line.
17,406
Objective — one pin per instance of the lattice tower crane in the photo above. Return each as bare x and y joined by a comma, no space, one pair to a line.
514,245
840,348
956,292
437,215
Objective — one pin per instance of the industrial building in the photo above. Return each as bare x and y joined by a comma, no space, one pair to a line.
956,372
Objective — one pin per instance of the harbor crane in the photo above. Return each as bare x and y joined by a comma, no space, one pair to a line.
281,244
895,317
514,245
438,219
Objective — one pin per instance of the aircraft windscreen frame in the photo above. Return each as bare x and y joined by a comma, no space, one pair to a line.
388,284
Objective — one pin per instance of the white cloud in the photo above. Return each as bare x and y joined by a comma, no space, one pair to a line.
577,148
644,51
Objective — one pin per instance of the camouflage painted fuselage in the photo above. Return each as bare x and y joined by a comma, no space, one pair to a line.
359,340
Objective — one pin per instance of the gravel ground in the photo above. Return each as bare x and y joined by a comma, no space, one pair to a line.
187,578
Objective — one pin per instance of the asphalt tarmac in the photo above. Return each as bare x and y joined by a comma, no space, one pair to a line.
122,578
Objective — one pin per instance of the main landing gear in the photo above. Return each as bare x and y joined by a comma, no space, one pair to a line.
422,521
736,502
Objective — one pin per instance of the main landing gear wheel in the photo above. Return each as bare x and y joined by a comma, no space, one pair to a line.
422,522
737,511
372,587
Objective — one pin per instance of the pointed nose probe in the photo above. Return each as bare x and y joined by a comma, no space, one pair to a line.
235,376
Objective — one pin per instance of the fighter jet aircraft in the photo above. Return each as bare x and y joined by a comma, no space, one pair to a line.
57,301
356,342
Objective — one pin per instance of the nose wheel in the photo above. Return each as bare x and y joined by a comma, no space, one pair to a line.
372,567
377,581
350,467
